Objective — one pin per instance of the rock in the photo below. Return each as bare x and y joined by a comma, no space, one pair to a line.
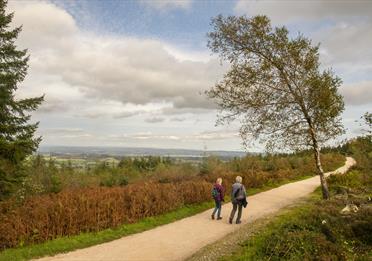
349,208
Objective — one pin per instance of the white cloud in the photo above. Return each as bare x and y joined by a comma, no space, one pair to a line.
291,11
116,68
167,4
96,82
344,30
178,119
199,136
215,135
154,120
358,93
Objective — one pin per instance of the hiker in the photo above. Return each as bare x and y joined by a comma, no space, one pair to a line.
218,196
238,199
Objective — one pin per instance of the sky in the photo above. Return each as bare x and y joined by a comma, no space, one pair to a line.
133,73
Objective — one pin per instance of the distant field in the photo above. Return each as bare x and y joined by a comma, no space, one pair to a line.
88,162
80,163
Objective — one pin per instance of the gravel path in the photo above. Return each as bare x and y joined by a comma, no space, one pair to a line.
180,239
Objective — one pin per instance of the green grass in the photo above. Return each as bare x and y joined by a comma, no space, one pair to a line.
252,249
300,234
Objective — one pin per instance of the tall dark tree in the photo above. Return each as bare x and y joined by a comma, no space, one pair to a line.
17,139
275,86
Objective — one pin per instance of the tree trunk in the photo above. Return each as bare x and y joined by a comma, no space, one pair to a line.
323,180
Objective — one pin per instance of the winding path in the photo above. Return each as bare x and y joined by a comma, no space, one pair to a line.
179,240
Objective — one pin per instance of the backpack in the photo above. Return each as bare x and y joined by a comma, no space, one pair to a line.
239,194
215,193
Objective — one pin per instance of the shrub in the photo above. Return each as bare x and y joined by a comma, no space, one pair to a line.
70,212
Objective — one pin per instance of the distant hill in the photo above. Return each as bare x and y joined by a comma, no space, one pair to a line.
122,151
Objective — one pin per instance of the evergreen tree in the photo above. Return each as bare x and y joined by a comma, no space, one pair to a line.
17,139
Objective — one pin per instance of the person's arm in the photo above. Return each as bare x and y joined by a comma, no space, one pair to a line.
245,191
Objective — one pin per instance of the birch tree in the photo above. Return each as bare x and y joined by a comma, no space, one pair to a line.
275,87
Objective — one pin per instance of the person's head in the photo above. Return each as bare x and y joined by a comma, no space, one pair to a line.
219,181
238,179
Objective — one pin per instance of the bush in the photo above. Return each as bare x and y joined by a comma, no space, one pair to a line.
45,217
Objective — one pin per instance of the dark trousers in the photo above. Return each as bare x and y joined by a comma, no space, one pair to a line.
217,208
239,207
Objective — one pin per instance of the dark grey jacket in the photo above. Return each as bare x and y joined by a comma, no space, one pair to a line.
234,192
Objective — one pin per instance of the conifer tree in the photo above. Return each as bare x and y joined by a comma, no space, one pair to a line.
17,139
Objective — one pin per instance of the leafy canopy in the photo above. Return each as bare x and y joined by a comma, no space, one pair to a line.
275,86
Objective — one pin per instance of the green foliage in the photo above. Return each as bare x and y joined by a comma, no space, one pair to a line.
275,86
317,230
16,133
301,235
361,149
144,163
44,175
209,164
368,121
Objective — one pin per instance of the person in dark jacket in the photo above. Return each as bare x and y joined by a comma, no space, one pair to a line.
238,199
218,195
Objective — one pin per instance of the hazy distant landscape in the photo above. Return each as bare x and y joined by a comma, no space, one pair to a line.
135,152
87,157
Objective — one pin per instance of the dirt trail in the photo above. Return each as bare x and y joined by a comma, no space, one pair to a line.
179,240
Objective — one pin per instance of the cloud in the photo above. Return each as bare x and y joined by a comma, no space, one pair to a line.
205,135
178,119
344,29
199,136
154,120
335,24
167,4
52,105
148,136
291,11
65,133
63,130
116,68
346,44
215,135
358,93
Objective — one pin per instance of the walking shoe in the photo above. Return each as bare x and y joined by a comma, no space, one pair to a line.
238,222
219,218
212,217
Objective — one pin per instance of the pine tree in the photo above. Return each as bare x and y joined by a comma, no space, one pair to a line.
17,139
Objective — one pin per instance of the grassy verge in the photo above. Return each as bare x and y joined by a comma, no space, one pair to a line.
316,230
65,244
